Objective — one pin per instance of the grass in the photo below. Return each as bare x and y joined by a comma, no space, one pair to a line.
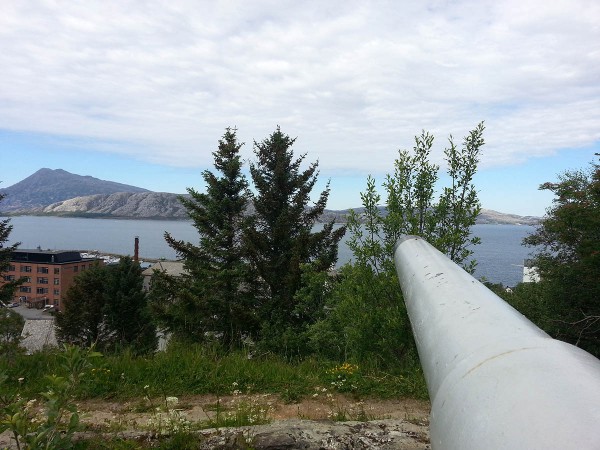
193,369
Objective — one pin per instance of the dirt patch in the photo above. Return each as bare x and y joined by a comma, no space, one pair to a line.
325,416
200,408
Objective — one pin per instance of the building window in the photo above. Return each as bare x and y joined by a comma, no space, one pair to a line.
75,269
42,270
56,271
25,268
56,291
57,281
42,290
41,280
25,289
27,280
12,268
55,302
9,277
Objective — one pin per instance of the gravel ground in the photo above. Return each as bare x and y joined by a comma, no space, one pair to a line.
308,424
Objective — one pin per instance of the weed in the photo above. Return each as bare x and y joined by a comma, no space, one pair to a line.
167,419
241,411
51,424
291,394
344,377
342,411
193,369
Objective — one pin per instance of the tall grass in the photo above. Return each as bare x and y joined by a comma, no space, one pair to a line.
194,369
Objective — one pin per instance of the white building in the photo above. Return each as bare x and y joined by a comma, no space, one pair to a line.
530,272
173,268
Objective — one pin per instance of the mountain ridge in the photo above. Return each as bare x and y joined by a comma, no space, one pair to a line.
117,200
47,186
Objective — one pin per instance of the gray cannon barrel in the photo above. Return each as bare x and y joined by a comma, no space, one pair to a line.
496,381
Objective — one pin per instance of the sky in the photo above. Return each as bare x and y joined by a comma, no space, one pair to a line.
139,92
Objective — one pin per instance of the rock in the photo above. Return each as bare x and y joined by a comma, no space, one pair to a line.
317,435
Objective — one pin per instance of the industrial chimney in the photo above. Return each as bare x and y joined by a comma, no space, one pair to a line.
136,249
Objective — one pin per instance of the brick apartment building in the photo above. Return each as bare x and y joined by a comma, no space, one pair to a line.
48,274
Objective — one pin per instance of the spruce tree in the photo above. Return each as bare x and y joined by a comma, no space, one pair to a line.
106,306
215,293
281,239
7,290
81,321
11,323
126,311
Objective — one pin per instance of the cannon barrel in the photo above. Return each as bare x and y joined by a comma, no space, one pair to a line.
495,380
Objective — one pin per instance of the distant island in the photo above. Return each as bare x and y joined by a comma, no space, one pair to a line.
59,193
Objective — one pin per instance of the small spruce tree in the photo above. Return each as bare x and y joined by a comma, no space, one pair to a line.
126,311
81,320
107,307
214,297
281,239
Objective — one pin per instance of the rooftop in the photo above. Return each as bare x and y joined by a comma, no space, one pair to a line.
47,256
174,268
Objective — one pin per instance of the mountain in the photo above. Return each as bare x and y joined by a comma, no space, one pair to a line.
162,205
489,216
47,186
140,205
58,192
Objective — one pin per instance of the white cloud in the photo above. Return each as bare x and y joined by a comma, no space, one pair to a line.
354,80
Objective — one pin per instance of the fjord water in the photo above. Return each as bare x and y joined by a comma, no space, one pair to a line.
500,255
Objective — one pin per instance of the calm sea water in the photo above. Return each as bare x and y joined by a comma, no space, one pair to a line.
500,255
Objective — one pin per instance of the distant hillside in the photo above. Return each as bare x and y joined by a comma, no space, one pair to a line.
142,205
58,192
47,186
487,216
161,205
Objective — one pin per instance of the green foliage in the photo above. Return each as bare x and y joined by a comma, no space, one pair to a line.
8,288
193,369
176,309
366,319
568,259
167,418
126,313
52,426
240,411
344,377
534,301
107,307
280,239
81,320
459,206
11,326
213,299
411,207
